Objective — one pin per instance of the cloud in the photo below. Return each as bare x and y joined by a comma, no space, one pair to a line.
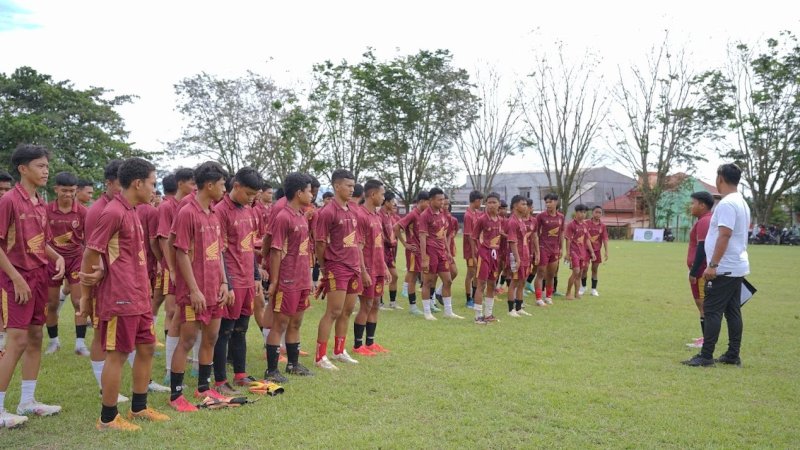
13,17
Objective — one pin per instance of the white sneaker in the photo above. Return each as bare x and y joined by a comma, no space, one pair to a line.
52,347
581,290
429,316
81,351
8,420
384,307
37,408
120,398
155,387
513,313
324,363
595,293
522,312
344,357
452,316
548,300
394,305
540,303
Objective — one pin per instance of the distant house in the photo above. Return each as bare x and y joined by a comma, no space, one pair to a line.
598,185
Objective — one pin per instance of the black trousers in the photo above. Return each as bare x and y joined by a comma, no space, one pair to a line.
722,298
235,332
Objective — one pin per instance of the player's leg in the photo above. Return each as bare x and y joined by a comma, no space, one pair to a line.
81,324
54,344
360,324
188,328
342,325
333,310
205,355
428,281
142,367
552,271
595,270
221,357
111,381
393,289
411,280
520,289
293,365
280,324
447,291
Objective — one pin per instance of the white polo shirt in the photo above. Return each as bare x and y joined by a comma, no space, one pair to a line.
733,213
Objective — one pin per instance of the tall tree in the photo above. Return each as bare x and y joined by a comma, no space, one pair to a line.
563,107
756,96
299,144
81,126
659,125
493,136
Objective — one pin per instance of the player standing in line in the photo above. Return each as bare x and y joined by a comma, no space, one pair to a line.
201,288
486,233
579,251
550,229
340,261
701,206
519,257
533,241
406,232
123,295
261,210
148,216
470,250
6,184
370,227
238,227
432,225
24,277
66,218
389,218
85,192
598,234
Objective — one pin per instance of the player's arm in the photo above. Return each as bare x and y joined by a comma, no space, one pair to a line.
226,289
22,292
90,275
605,244
275,256
57,259
423,248
699,260
184,265
171,254
399,234
588,243
720,247
155,247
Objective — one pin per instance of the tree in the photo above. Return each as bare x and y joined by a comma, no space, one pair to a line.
297,149
81,127
660,125
756,96
563,108
493,136
422,105
234,121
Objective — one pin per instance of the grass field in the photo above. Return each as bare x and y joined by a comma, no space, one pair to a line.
597,372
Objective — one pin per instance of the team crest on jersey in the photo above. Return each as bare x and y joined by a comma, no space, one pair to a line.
75,224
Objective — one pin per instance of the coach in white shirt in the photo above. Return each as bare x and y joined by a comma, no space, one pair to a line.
726,254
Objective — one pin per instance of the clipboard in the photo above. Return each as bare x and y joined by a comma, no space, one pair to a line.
748,290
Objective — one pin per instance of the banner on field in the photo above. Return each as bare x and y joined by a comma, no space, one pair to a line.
648,235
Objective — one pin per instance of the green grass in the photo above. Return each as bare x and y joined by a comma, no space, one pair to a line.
591,373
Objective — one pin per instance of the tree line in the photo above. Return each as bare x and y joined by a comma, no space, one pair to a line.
417,120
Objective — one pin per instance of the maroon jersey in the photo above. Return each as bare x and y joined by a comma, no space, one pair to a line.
517,232
186,200
276,208
577,233
148,216
698,234
530,226
470,216
261,213
551,231
238,230
435,226
198,233
388,221
452,231
119,237
290,236
486,231
409,224
370,227
67,229
337,226
597,233
23,229
166,215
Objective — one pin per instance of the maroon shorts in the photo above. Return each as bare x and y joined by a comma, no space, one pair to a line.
188,313
242,303
437,262
698,288
375,290
342,278
390,256
290,303
124,333
412,261
547,257
72,267
34,311
597,258
577,261
522,272
488,266
167,282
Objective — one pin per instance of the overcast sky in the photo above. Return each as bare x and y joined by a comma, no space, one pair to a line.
145,47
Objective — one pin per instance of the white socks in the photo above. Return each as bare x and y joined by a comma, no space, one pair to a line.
426,306
80,343
438,289
2,402
478,311
97,369
171,345
265,333
2,343
448,305
55,339
28,389
489,304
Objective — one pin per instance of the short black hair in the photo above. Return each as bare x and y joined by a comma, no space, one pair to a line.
494,195
704,197
730,173
170,184
266,185
388,196
66,179
295,182
597,207
249,177
581,207
208,172
358,190
435,191
228,184
551,196
314,182
372,185
503,204
341,174
133,169
84,183
279,193
327,195
111,171
25,153
184,174
6,177
475,195
529,201
516,199
423,196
